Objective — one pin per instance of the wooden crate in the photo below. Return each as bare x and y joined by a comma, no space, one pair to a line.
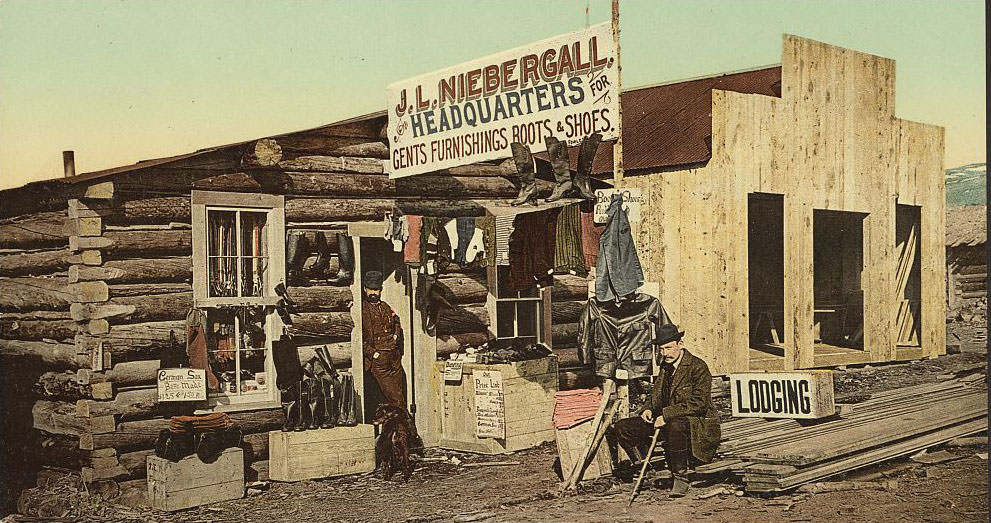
571,442
320,453
191,483
529,388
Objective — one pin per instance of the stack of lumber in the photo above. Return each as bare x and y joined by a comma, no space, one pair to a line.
778,455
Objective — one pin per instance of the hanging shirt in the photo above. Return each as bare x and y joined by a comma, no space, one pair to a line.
568,255
531,249
617,271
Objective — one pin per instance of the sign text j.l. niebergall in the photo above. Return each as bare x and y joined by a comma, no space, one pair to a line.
564,87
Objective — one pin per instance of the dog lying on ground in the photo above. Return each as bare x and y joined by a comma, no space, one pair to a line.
397,438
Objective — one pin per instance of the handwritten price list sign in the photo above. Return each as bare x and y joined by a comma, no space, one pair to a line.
490,405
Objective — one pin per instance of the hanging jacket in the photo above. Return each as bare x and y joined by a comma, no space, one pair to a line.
619,335
196,346
617,270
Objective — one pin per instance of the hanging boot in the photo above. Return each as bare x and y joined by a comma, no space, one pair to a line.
323,255
557,153
585,156
305,414
345,251
297,250
527,169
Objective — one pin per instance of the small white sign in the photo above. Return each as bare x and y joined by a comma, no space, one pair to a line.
453,370
632,201
797,395
490,405
181,385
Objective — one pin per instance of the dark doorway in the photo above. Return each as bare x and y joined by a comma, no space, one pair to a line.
838,266
766,270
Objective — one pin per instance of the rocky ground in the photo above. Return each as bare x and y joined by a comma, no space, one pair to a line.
523,486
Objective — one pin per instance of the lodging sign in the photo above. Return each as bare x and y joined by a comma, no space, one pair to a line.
565,86
798,394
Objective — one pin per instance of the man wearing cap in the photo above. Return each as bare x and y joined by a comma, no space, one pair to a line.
382,341
680,406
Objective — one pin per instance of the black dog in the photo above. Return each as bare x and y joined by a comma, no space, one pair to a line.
397,439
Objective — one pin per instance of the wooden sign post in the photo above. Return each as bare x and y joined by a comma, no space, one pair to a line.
796,395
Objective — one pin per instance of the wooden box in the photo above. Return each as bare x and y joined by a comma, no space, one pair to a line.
528,393
320,453
804,394
190,483
571,442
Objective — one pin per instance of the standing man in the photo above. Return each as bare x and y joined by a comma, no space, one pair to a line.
382,341
680,405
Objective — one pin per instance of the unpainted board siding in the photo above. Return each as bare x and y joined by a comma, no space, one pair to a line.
830,142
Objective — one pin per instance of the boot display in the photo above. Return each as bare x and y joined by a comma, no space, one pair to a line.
557,153
297,250
584,173
323,255
290,407
527,170
345,251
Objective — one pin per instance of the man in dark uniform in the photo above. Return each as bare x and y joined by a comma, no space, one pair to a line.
680,405
382,341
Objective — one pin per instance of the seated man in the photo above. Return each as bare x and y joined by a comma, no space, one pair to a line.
680,405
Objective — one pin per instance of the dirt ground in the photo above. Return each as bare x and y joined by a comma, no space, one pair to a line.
526,489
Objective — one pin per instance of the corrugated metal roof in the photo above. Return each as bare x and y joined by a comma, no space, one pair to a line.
966,226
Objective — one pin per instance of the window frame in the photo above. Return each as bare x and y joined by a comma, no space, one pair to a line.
542,299
274,206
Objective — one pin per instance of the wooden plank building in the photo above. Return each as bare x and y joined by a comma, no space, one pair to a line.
792,221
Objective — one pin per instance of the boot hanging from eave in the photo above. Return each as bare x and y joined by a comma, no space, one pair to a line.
527,170
557,153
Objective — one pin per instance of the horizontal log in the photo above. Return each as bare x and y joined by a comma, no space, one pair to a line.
141,341
138,435
463,319
316,209
449,344
34,294
323,298
42,354
135,464
576,379
336,164
55,450
148,289
36,231
145,242
340,353
34,262
131,404
154,307
152,210
38,315
140,372
60,386
564,334
374,149
58,417
59,330
148,270
566,311
567,358
374,185
568,287
463,288
335,326
96,311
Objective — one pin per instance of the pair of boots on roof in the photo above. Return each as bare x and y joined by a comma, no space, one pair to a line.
298,249
557,152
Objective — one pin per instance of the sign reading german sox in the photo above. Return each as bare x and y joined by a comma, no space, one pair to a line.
564,87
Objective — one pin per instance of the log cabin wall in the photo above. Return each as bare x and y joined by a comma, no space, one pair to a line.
830,142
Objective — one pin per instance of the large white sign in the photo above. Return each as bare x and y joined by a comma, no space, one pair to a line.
490,405
565,86
796,394
181,385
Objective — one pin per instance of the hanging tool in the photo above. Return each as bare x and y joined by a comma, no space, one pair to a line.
646,463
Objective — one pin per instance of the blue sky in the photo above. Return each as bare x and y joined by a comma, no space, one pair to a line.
123,80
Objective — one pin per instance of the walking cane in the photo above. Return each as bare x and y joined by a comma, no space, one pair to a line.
646,462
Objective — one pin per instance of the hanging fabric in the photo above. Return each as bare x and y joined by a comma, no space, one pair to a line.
591,233
487,225
617,271
568,256
504,229
411,252
196,346
531,249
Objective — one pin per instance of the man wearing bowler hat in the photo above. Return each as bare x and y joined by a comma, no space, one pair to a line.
680,406
382,341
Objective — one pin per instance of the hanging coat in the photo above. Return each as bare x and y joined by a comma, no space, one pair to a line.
617,271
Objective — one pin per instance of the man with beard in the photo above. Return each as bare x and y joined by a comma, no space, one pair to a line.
382,341
680,406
